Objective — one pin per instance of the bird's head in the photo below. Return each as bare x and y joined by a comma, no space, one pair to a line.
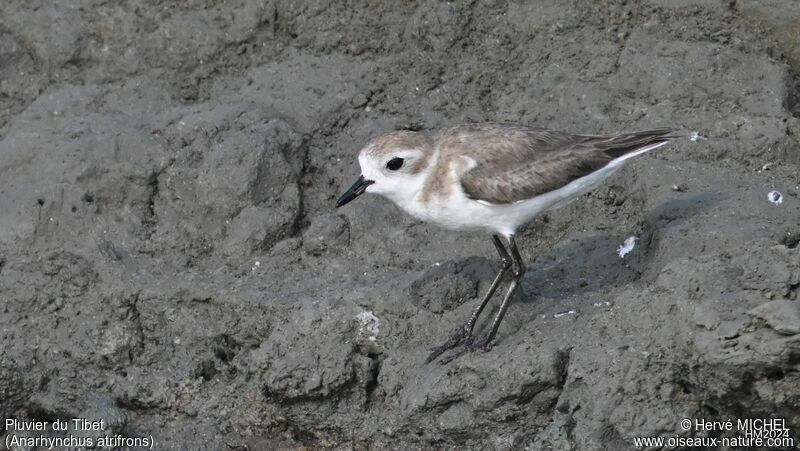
392,165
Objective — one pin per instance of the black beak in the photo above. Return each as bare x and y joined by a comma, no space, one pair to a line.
356,190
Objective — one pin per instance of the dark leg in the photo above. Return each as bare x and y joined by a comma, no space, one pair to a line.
463,334
519,271
505,262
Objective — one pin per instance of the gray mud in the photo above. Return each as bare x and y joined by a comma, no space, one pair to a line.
171,260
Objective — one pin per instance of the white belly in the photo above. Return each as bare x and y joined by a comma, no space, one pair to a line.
458,212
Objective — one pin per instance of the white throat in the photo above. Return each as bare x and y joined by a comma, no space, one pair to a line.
401,189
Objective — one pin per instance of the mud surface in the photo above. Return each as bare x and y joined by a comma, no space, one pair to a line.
171,261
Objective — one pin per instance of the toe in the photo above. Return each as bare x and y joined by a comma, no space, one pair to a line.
436,352
462,338
483,344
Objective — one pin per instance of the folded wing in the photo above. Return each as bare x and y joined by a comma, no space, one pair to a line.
514,163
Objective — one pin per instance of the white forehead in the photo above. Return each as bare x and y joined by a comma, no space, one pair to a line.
362,159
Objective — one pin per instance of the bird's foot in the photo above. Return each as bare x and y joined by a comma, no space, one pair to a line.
483,344
462,336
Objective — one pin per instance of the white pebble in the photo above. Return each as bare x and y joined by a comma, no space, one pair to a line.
775,197
696,136
626,246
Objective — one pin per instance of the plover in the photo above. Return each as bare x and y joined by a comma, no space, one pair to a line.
491,177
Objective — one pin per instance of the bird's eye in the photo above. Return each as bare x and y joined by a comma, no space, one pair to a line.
394,164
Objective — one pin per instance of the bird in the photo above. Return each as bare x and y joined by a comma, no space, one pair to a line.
491,177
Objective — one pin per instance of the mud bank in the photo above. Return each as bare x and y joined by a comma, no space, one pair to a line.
171,260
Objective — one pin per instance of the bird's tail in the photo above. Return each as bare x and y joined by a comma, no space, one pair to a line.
632,144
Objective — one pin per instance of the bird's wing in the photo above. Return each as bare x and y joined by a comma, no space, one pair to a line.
514,163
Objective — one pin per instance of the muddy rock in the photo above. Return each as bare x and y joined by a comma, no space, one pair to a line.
172,261
782,315
327,233
249,206
448,285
